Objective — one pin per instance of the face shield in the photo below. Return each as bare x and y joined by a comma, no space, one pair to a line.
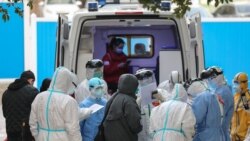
94,68
211,82
97,92
240,82
145,77
240,87
94,72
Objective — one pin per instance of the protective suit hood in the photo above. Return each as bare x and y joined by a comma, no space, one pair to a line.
196,88
127,84
63,81
179,93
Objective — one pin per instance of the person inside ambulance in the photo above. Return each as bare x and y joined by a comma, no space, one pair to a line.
115,64
146,79
213,108
89,126
195,88
168,85
173,120
94,68
140,50
241,116
54,114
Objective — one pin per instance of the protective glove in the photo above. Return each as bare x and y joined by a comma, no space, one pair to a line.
84,113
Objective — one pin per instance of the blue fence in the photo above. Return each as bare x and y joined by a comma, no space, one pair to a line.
227,45
46,45
11,44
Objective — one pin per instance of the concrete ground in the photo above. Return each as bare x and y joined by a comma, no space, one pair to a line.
3,87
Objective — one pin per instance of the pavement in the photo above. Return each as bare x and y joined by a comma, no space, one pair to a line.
2,125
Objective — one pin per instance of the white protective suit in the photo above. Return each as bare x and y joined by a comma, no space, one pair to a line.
166,85
173,120
83,112
54,114
195,89
162,96
83,92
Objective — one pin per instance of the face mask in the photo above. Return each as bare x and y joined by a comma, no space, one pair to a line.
212,84
118,50
98,74
236,88
98,93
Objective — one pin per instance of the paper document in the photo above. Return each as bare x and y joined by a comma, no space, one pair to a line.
146,93
95,108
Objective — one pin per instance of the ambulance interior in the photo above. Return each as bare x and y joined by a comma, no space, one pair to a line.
148,43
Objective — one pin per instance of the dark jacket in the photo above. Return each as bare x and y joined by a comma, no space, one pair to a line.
16,102
123,120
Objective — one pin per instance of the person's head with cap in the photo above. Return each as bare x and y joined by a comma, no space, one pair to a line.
96,87
214,77
45,84
127,84
94,68
145,77
118,45
29,76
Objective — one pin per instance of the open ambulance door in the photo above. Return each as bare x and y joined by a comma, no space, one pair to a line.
170,60
196,45
62,44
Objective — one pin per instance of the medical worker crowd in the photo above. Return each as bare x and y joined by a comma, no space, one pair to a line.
200,109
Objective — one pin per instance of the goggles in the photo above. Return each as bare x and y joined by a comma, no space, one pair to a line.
143,75
94,64
210,73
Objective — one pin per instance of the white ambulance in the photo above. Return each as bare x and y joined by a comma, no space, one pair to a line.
170,43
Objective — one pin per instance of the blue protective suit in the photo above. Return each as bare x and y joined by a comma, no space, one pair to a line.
89,126
227,96
210,125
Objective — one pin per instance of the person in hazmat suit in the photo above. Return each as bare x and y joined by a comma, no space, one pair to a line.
241,117
195,88
54,114
168,85
89,126
147,80
213,109
122,122
94,68
173,120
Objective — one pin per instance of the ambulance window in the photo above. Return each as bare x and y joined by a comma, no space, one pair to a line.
137,46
